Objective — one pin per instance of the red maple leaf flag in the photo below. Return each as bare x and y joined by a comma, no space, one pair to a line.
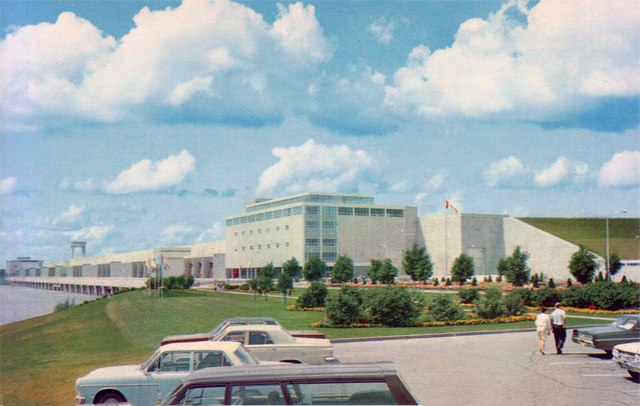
448,205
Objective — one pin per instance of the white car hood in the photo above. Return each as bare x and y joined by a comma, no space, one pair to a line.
629,347
109,373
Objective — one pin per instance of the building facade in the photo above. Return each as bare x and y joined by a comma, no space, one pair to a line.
317,224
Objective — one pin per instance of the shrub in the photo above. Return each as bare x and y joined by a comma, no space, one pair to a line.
490,305
343,309
514,303
527,295
66,305
551,283
604,296
547,297
393,307
313,297
576,296
443,308
468,296
354,292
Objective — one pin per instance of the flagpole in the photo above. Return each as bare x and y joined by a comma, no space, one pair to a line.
446,242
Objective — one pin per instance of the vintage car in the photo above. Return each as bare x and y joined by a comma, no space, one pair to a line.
330,384
625,329
150,382
238,321
627,356
273,343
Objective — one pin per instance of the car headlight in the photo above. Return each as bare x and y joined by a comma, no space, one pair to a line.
616,352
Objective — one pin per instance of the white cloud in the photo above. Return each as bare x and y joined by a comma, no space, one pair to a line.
566,56
316,167
622,170
562,171
506,172
149,176
434,183
86,185
220,50
177,234
8,185
93,233
215,233
382,30
70,216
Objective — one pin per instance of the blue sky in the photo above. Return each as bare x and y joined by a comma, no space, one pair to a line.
137,124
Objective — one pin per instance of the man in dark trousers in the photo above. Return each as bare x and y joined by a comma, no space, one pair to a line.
559,326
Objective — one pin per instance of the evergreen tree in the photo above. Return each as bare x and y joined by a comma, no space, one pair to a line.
374,270
388,272
462,269
342,270
314,269
583,265
515,267
417,263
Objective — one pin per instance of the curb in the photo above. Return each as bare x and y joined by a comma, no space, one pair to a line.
440,335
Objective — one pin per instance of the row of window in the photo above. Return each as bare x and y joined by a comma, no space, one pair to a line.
316,210
312,198
259,231
259,246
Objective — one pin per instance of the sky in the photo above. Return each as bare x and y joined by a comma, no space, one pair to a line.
139,124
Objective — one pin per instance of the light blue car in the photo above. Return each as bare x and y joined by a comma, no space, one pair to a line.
156,378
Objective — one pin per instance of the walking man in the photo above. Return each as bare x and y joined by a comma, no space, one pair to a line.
559,325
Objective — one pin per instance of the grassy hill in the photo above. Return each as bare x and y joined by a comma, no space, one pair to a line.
591,232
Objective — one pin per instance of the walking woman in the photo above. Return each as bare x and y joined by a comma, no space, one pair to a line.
543,327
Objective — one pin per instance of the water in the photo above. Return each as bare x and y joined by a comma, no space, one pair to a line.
18,303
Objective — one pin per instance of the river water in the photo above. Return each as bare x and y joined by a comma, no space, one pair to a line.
18,303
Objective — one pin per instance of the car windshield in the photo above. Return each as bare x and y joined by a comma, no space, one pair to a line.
626,322
245,357
145,365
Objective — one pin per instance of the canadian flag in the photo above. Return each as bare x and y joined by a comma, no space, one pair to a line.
448,205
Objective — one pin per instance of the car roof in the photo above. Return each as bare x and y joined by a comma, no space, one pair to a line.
249,319
254,327
229,346
292,372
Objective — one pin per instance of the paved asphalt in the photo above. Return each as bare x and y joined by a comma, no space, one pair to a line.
499,369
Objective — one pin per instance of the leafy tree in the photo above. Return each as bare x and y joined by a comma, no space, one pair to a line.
314,269
583,265
615,264
388,272
443,308
515,267
417,263
285,281
462,269
342,270
374,270
264,281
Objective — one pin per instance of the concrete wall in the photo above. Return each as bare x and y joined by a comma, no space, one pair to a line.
443,239
548,254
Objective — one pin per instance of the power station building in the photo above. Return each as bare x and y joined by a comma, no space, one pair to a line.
326,225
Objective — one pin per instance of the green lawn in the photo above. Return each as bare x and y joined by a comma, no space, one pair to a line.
42,357
591,232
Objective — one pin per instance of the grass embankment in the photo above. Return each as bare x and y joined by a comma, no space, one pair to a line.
41,358
591,233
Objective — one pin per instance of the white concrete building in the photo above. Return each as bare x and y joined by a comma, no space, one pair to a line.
317,224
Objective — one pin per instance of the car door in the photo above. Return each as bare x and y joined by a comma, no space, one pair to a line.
262,346
167,373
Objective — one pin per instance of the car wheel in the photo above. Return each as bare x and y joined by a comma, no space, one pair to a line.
635,376
108,398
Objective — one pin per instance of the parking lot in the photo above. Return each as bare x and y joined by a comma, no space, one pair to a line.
499,369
